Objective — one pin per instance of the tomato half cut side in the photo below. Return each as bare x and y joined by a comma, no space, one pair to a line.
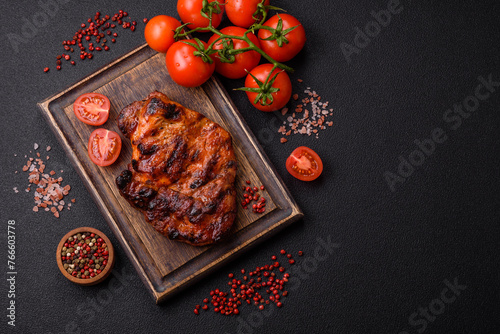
92,108
104,147
304,164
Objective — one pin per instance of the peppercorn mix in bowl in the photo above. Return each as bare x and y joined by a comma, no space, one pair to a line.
85,256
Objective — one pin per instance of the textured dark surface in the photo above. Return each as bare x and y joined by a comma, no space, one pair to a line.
395,252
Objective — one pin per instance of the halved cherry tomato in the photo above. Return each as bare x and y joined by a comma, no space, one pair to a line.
104,147
241,12
243,62
159,32
304,164
190,12
92,108
291,42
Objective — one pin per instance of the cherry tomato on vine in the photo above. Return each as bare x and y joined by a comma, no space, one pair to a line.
104,147
280,90
243,62
304,164
159,32
187,68
92,108
291,39
190,11
241,12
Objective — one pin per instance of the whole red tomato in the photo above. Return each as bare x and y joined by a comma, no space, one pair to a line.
159,32
185,67
190,11
280,90
291,40
243,62
241,12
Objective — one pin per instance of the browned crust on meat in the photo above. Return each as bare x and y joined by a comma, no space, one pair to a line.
182,171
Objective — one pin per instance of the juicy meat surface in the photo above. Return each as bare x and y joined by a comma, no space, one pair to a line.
182,171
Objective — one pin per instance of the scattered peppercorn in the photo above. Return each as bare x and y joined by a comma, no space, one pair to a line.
91,30
263,281
252,194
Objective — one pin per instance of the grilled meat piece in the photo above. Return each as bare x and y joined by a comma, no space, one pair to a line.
182,171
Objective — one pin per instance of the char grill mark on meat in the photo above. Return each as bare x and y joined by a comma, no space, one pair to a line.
182,171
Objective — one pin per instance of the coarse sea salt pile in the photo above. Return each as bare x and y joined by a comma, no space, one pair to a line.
314,116
48,191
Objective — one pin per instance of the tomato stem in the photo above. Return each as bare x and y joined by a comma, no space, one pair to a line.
265,89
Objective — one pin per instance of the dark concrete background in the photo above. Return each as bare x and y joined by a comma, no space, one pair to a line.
398,252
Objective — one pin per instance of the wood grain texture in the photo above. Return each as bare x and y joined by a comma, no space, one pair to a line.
166,266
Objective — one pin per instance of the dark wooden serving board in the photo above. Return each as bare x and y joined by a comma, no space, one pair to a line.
166,266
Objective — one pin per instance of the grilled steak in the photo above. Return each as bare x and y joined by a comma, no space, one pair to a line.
182,171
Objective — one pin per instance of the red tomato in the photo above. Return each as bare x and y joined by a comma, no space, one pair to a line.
241,12
184,67
304,164
296,38
243,62
190,12
159,32
92,108
282,82
104,147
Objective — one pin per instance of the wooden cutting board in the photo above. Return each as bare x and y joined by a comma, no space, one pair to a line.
166,266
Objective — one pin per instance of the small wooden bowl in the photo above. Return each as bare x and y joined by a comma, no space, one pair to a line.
98,278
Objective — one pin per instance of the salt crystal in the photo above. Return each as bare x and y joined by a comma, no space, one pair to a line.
35,146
